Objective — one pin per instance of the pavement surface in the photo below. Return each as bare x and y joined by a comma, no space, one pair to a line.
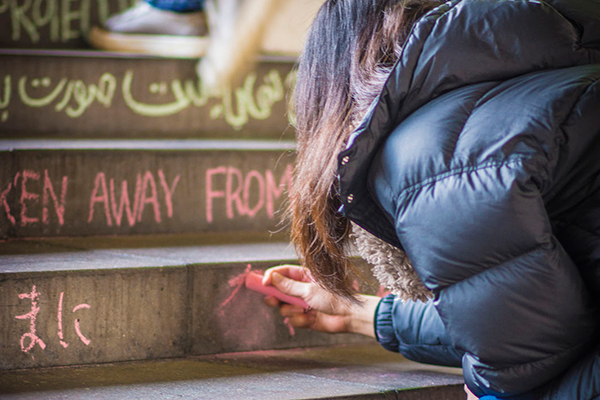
337,372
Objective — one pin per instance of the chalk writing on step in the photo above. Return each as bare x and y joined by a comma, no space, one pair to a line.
30,339
59,20
236,106
147,192
72,91
5,98
52,194
254,99
236,284
39,198
31,316
239,187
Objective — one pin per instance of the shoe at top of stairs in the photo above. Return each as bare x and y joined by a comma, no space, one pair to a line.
60,24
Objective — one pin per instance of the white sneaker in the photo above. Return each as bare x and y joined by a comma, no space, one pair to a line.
144,29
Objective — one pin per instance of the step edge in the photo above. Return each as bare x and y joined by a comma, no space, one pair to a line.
207,256
89,53
146,144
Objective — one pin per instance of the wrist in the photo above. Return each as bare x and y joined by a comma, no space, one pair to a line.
360,318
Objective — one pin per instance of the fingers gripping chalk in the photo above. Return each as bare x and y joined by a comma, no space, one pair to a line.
254,282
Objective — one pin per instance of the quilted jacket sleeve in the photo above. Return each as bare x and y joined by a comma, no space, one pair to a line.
507,292
415,330
581,381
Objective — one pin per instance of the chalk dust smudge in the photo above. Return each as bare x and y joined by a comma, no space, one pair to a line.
290,327
237,283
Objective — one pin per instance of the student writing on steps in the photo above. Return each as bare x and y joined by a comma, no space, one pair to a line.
455,145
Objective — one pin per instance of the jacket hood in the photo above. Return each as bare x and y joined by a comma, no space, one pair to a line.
460,43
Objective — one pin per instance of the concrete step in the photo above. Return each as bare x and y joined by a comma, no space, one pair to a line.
96,300
54,24
88,94
107,187
337,372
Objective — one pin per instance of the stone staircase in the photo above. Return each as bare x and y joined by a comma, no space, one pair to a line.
132,204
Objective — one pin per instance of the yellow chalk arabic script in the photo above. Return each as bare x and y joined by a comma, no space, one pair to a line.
5,100
83,95
252,100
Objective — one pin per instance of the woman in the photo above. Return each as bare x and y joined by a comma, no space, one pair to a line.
461,141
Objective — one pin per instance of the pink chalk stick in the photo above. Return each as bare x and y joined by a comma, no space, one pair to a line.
254,282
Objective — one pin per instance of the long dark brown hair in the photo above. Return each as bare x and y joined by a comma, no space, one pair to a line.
350,51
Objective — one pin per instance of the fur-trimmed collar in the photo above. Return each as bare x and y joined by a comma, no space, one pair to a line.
391,266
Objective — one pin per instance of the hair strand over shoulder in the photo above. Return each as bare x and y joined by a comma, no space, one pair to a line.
350,51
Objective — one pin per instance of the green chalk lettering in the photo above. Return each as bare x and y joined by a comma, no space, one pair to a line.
266,95
68,15
66,98
103,11
5,101
18,19
49,16
4,5
41,102
154,110
196,93
106,89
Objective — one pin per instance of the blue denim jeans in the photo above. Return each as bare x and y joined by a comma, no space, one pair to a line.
181,6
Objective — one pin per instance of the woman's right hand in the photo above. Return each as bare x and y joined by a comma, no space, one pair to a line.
328,312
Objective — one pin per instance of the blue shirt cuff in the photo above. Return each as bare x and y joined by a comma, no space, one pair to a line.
384,324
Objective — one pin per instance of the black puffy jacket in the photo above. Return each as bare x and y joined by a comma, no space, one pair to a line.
481,158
